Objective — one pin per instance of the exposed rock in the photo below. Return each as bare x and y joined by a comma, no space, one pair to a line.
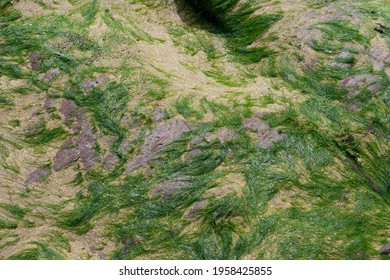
85,143
37,175
35,126
169,188
164,134
67,154
192,153
265,134
359,81
385,249
341,65
344,55
50,104
68,109
379,53
35,59
111,161
267,139
158,114
223,135
51,74
194,209
125,146
354,83
88,85
255,125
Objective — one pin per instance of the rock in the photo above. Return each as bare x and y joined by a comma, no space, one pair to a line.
265,134
128,244
255,125
67,154
223,135
194,209
68,109
355,83
138,162
169,188
158,114
164,134
266,140
111,161
85,143
385,249
341,65
37,175
88,85
50,104
192,153
359,81
35,59
379,53
51,74
344,55
125,146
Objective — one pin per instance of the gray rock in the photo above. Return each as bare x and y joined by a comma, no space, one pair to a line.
158,114
68,109
50,104
51,74
362,80
110,161
88,85
223,135
255,125
67,154
35,59
267,139
380,55
265,134
37,176
170,187
164,134
195,208
125,146
344,55
341,65
385,249
85,143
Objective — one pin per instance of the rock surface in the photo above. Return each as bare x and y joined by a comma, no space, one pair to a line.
164,134
170,187
385,249
51,74
266,135
88,85
67,154
37,175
